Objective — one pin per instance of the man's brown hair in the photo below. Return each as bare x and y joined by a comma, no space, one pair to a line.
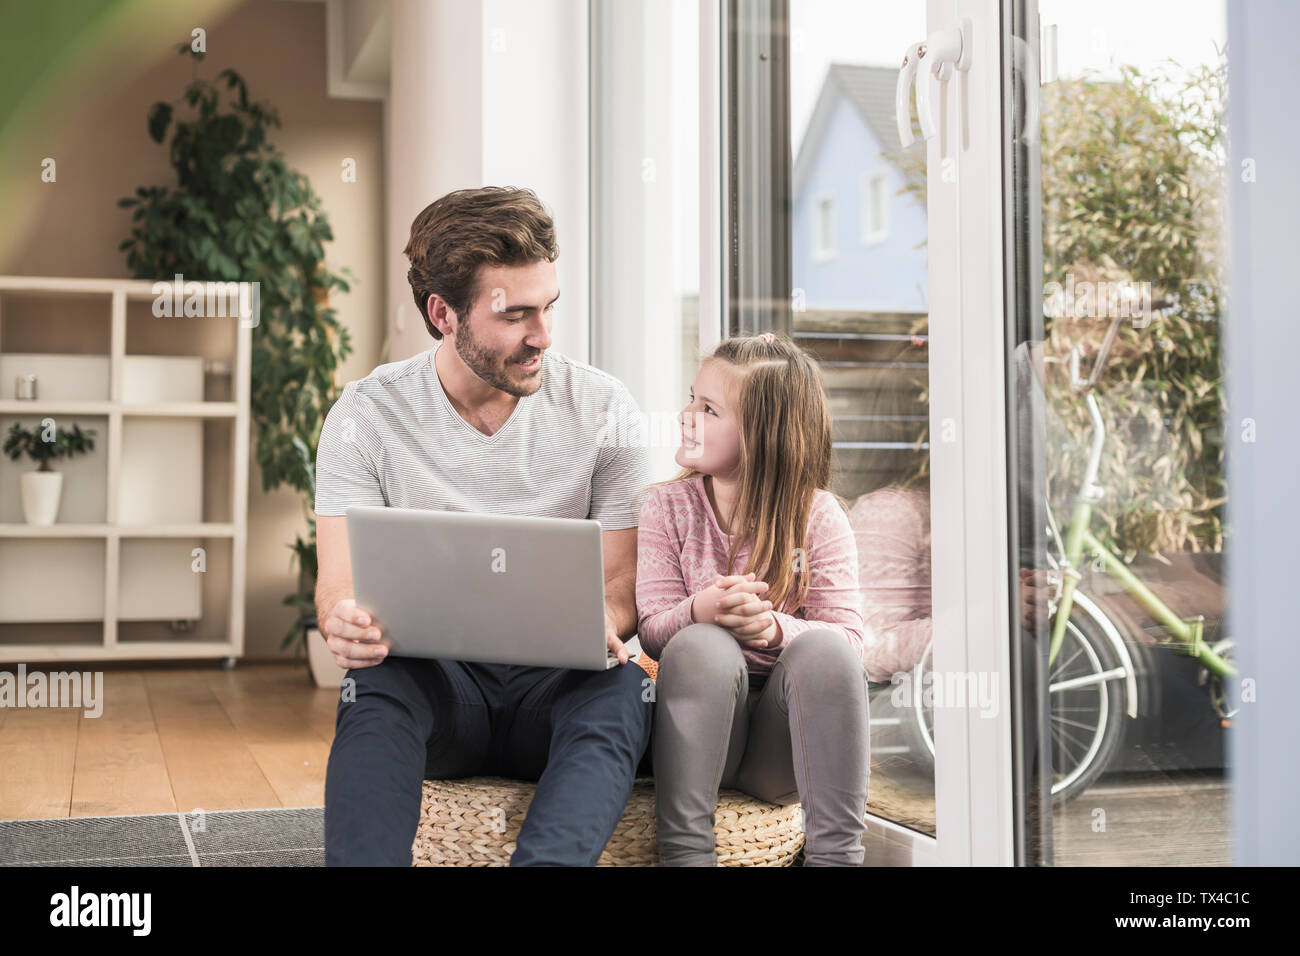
454,235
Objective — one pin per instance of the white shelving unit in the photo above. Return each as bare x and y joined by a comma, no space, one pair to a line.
125,417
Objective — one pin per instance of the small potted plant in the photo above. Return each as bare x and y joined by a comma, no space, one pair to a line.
42,489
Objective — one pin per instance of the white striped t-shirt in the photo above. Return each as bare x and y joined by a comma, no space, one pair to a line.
393,439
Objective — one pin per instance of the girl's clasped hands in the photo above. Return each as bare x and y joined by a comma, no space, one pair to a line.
734,603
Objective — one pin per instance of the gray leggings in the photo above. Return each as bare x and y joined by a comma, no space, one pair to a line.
805,736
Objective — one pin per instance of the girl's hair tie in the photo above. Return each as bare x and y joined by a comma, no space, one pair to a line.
768,337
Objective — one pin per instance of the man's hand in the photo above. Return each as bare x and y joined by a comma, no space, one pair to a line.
1037,594
353,636
612,642
619,551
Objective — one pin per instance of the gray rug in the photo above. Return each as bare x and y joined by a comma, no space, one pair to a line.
290,836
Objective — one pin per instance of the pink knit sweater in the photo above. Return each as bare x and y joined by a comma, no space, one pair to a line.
680,548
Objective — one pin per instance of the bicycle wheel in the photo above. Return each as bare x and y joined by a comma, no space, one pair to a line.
1086,708
1223,694
917,721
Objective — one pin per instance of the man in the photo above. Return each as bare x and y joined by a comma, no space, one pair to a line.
496,424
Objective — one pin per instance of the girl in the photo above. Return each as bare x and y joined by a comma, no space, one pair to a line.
747,596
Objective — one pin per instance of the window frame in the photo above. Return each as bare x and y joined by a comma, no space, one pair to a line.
822,251
868,204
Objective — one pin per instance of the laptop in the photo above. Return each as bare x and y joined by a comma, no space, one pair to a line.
501,589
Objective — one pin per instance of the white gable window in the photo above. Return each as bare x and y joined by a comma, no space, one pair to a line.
823,227
875,207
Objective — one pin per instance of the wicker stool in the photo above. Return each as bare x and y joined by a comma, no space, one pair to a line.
474,822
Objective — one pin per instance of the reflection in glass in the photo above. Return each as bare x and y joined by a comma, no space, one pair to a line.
859,305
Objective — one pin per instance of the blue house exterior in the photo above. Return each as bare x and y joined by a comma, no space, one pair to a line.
857,243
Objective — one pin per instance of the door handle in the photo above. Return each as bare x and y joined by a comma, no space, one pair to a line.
902,108
945,50
1027,67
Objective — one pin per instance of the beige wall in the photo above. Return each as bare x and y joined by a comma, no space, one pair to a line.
104,153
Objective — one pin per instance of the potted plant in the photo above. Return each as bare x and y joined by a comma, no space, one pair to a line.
240,213
42,489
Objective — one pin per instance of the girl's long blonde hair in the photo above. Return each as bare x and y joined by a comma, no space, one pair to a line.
785,457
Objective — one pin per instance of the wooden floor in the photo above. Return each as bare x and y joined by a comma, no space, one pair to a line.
176,740
172,740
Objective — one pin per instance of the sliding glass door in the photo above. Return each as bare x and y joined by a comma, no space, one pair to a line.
849,226
1115,186
1018,316
995,224
859,302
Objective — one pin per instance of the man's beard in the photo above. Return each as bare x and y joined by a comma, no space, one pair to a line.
484,364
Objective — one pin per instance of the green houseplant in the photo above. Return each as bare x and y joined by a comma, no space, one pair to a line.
239,213
42,488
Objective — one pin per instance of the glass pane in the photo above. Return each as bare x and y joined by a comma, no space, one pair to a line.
1115,379
645,157
859,306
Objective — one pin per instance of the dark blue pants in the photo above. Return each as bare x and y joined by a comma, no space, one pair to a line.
579,734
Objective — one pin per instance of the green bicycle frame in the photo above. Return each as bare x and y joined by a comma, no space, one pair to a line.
1189,636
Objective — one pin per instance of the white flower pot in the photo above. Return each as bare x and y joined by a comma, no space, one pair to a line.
41,491
324,671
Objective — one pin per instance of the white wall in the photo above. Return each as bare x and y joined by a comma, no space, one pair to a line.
490,92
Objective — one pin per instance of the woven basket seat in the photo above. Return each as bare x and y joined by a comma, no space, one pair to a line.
475,821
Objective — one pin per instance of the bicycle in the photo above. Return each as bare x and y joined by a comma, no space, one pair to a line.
1092,679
